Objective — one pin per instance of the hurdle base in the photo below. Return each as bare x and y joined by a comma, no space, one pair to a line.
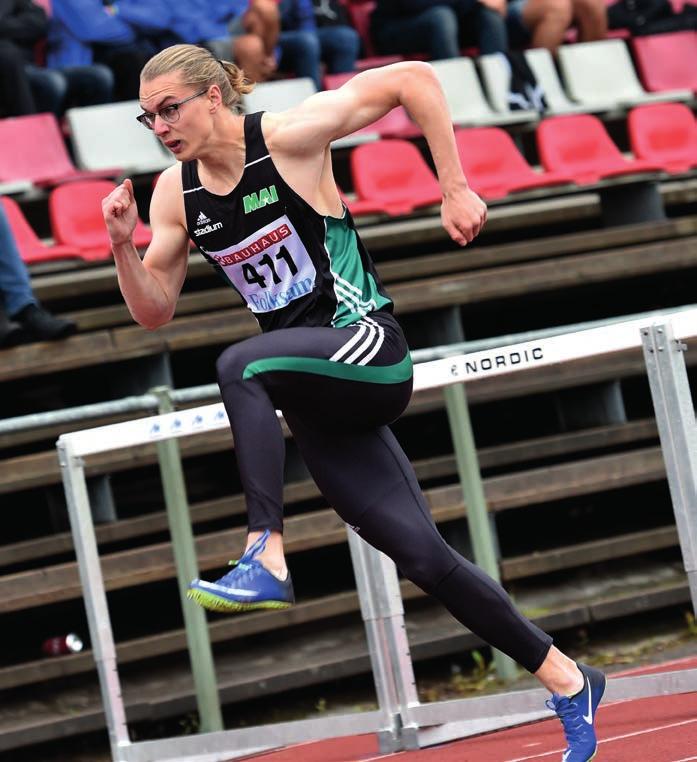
225,745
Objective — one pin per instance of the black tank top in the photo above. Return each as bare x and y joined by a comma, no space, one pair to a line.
291,265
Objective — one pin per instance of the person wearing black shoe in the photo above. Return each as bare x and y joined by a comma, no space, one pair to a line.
11,333
40,325
22,318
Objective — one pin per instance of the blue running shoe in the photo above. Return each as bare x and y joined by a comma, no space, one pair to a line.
248,586
577,715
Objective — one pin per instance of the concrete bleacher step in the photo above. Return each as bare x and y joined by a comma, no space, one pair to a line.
60,582
42,468
224,327
380,235
69,280
407,270
326,607
102,280
514,453
302,659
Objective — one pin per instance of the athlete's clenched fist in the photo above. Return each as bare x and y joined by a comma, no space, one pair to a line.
463,214
120,213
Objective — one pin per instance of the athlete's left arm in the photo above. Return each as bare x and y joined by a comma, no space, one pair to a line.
332,114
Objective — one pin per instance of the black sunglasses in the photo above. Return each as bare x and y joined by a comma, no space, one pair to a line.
168,113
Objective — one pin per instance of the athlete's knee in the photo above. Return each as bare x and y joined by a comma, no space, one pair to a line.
422,557
424,571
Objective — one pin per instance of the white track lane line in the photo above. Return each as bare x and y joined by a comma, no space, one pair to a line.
383,757
667,666
613,738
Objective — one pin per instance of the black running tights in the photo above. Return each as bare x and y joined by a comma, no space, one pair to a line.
338,389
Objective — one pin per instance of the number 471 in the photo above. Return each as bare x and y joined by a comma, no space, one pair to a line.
253,276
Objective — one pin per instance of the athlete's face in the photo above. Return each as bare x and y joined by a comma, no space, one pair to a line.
176,112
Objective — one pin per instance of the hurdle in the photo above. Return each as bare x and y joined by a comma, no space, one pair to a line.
401,721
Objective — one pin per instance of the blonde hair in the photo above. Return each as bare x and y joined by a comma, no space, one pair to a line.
199,66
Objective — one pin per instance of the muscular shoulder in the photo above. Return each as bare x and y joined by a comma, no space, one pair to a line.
273,124
290,133
170,179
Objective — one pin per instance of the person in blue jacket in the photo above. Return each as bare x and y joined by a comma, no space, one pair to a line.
317,32
83,32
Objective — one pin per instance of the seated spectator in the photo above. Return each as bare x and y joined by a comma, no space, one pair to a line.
57,90
243,31
441,29
21,316
26,88
85,32
314,32
438,29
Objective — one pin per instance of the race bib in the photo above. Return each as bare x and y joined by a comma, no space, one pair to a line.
270,268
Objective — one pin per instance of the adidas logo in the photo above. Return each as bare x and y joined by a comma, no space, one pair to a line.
202,219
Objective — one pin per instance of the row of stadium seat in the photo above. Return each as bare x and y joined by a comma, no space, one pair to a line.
108,142
75,213
391,176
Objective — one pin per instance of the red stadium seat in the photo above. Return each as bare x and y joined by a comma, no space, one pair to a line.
393,173
494,167
31,248
667,61
666,134
395,124
76,218
580,147
32,148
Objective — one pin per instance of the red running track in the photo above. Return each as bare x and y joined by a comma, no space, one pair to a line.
659,729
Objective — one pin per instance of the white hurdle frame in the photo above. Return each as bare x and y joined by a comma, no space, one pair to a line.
400,721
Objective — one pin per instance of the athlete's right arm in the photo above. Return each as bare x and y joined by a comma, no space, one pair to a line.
150,286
